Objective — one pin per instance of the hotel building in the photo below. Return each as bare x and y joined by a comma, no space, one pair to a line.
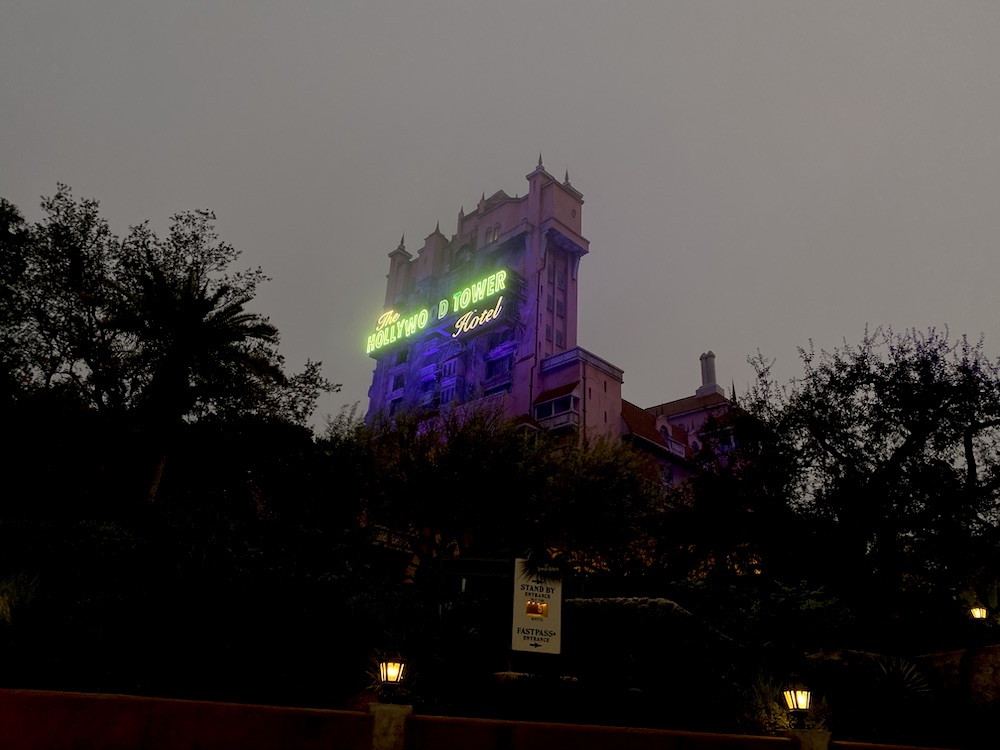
491,314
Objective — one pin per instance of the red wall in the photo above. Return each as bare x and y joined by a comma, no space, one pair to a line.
34,720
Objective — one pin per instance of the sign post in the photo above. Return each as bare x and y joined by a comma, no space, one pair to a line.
537,609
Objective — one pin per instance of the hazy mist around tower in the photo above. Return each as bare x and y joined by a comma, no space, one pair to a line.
755,174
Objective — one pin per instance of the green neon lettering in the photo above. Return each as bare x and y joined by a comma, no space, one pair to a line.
391,326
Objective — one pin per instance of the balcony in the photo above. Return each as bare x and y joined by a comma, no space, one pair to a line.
561,421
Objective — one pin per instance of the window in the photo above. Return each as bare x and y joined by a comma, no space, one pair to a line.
398,381
548,333
394,405
561,405
447,395
450,368
428,386
561,280
560,341
464,255
548,303
402,354
560,308
497,367
552,274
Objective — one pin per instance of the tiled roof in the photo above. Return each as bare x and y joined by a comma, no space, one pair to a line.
690,403
642,424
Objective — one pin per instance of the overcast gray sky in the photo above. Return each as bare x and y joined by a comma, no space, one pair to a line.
756,172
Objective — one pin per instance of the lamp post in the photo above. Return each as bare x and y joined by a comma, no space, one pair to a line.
392,671
390,713
798,699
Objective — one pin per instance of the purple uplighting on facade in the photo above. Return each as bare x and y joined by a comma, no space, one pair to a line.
491,314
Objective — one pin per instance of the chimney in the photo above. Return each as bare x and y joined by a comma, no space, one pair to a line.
708,384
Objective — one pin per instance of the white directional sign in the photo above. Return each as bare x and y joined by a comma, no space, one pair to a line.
537,609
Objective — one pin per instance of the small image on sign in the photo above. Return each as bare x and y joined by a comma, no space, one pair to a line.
537,610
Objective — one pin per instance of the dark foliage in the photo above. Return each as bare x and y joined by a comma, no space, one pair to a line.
853,511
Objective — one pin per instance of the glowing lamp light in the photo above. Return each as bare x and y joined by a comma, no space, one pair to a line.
797,697
391,671
978,613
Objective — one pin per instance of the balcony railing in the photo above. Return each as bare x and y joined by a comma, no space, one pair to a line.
561,421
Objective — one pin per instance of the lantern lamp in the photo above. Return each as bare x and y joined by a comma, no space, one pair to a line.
797,697
391,670
978,612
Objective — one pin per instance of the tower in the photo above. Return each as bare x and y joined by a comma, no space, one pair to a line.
474,316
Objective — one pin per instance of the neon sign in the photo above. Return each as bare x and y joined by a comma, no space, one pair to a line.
392,327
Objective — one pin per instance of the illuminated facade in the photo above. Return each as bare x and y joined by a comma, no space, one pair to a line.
491,313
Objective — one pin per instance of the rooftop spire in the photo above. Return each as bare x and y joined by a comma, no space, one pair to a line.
401,249
539,158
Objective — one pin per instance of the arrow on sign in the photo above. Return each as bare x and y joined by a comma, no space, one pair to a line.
536,645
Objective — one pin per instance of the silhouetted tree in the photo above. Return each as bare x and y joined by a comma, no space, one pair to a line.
195,346
134,336
120,324
889,448
470,481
